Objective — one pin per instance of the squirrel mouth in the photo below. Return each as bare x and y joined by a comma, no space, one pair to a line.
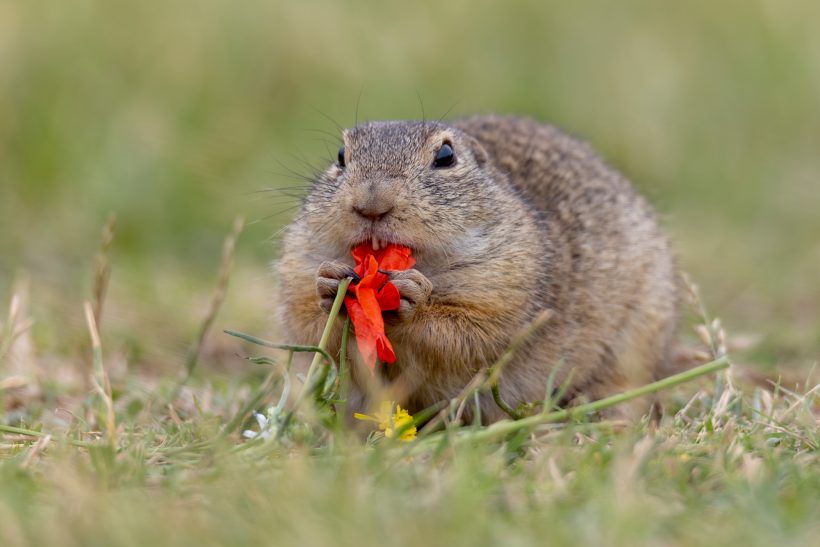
375,242
378,241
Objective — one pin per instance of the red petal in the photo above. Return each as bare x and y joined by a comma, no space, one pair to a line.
371,277
389,297
395,257
374,294
360,253
384,349
367,334
370,304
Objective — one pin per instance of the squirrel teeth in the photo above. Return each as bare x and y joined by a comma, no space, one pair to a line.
376,243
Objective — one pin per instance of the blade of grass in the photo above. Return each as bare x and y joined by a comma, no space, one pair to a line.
296,348
503,428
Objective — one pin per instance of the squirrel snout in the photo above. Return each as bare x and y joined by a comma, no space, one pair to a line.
371,212
375,200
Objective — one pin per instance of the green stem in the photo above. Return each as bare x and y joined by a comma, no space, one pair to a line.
321,350
297,348
502,404
331,319
494,372
344,372
504,428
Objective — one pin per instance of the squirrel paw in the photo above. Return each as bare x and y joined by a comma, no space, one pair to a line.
414,289
327,282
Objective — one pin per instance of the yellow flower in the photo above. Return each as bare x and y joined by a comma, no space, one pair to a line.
392,422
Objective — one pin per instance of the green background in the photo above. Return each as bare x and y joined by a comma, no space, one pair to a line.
176,114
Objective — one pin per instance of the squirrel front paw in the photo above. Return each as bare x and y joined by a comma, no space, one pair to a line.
414,289
327,281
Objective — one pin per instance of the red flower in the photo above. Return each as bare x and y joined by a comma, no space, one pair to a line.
373,294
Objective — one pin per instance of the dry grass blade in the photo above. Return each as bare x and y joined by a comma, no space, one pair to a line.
11,330
35,451
228,250
498,367
96,344
102,268
12,430
495,371
488,377
99,378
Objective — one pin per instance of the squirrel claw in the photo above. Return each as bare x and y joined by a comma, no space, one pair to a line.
414,289
327,281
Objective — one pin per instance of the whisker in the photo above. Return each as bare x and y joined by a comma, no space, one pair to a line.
358,100
275,214
330,119
335,136
441,242
421,104
448,111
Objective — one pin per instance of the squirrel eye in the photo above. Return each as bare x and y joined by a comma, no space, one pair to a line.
445,157
341,156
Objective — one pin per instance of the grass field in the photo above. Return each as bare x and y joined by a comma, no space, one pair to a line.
177,117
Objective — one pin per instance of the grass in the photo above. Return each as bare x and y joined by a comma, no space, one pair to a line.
121,420
134,465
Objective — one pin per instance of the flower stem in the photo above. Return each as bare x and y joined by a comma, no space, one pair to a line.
344,372
321,351
331,319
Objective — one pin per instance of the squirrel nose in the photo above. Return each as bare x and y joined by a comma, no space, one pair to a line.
373,211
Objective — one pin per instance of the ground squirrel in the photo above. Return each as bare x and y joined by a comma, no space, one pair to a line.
506,217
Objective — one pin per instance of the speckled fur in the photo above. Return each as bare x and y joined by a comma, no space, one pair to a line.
528,219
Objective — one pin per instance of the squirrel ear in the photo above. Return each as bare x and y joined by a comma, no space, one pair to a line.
479,153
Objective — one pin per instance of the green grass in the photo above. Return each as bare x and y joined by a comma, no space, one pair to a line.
174,116
137,460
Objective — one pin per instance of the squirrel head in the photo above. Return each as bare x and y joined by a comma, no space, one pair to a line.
418,184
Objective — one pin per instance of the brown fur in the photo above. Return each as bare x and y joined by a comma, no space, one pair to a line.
527,219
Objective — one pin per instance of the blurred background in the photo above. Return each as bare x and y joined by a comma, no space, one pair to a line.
177,115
